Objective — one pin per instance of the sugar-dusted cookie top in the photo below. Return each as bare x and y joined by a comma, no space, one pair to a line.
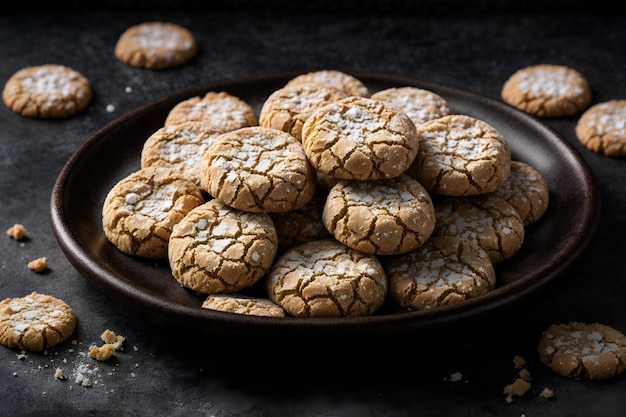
339,80
419,104
156,45
47,92
602,128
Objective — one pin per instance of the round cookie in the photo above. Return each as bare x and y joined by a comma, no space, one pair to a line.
486,220
547,91
590,350
445,270
325,278
140,210
460,155
179,147
419,104
217,108
526,190
382,217
218,249
47,92
258,169
35,322
339,80
243,304
360,138
288,108
602,128
156,45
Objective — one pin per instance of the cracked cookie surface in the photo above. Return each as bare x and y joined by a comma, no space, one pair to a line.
35,322
325,278
338,80
218,249
602,128
419,104
460,155
243,304
140,210
360,138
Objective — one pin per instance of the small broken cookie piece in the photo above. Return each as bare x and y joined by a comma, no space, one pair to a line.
17,231
38,265
577,349
101,353
339,80
109,337
243,304
602,128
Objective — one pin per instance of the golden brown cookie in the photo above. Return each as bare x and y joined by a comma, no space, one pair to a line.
179,147
460,155
325,278
602,128
445,270
218,249
339,80
590,350
156,45
382,217
47,92
220,109
419,104
486,220
526,190
35,322
141,209
288,108
547,91
243,304
258,169
360,138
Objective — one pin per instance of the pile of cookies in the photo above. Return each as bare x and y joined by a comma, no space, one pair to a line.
334,199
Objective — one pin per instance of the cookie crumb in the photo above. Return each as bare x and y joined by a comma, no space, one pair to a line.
22,355
102,353
38,265
518,388
109,337
524,374
456,376
16,232
58,374
518,362
547,393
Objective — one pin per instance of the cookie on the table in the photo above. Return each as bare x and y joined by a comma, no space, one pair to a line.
141,209
526,190
339,80
602,128
243,304
577,349
486,220
179,147
288,108
445,270
419,104
156,45
301,225
546,90
325,278
35,322
382,217
219,249
47,92
224,111
360,138
460,155
258,169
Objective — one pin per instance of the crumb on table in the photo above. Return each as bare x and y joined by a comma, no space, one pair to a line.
38,265
17,231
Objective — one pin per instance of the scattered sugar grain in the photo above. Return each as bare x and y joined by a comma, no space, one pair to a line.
128,89
547,393
110,108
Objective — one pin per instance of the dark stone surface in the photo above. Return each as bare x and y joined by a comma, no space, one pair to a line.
160,373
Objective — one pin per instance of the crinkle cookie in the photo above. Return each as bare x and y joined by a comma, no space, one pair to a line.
339,80
140,211
218,249
258,169
288,108
47,92
526,190
220,109
486,220
547,91
602,128
590,350
360,138
179,147
419,104
460,155
325,278
382,217
445,270
156,45
35,322
243,304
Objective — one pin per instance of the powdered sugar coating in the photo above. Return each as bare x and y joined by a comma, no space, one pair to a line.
338,80
602,128
419,104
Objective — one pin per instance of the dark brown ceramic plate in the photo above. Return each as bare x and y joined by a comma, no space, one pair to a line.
147,287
